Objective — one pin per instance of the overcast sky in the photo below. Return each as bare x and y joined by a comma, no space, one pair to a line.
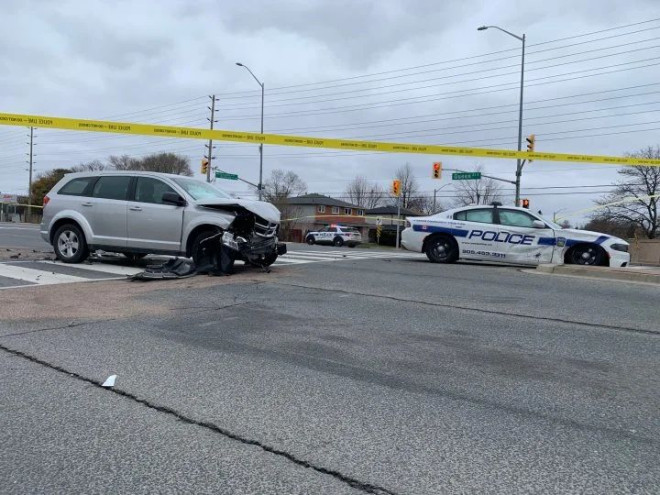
392,70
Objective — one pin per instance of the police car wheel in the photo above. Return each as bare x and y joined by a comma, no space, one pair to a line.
442,249
310,240
338,242
587,254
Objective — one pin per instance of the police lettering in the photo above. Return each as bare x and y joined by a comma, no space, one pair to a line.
489,235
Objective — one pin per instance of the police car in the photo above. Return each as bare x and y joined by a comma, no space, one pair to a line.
509,235
335,235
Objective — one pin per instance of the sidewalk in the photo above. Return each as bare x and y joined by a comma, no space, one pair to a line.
636,273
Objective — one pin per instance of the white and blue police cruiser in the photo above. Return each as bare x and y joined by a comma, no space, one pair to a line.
508,235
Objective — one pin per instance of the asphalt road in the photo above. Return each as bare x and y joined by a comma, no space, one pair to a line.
22,236
387,376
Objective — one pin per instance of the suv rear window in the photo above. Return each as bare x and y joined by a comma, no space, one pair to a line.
112,187
77,187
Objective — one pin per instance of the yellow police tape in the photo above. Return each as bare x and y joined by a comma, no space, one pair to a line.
13,119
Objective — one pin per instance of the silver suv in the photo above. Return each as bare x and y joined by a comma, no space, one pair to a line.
139,213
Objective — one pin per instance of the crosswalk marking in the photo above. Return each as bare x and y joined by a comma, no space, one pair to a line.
40,277
109,271
101,267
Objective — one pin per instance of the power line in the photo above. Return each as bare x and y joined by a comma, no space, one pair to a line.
452,95
315,98
228,95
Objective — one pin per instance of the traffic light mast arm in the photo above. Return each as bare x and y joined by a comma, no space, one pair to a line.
238,178
483,175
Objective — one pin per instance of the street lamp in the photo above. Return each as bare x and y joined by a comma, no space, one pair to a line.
261,145
520,163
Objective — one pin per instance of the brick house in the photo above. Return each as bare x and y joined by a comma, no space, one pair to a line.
388,218
315,211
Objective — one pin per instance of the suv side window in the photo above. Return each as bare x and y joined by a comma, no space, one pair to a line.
150,190
480,216
112,187
77,187
516,218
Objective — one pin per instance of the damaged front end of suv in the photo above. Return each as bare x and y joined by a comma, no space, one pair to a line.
251,236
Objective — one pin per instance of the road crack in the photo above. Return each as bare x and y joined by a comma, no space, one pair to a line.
63,327
348,480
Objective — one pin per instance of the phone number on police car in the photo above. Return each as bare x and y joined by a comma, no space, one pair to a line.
484,253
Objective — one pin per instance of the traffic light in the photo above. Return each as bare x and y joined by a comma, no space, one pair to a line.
205,166
437,170
525,203
531,141
396,188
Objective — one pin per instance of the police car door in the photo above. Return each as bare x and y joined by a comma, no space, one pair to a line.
525,243
480,240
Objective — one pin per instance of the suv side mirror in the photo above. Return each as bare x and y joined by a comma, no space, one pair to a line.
538,224
172,198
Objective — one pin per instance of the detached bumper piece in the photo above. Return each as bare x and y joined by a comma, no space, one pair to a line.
216,256
175,268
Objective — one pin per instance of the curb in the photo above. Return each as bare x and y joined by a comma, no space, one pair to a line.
625,274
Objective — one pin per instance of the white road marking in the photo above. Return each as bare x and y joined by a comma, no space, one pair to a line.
100,267
40,277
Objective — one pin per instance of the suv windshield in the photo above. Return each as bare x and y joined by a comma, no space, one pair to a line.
201,190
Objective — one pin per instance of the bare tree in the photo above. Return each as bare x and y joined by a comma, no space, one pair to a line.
424,204
93,166
278,188
481,191
409,188
635,200
168,163
363,194
123,162
282,185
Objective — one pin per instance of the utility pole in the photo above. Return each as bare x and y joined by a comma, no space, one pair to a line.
398,221
209,154
30,163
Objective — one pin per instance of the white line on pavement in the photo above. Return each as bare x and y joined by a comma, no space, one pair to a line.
100,267
40,277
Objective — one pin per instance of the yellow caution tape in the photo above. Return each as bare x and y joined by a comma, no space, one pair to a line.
344,224
13,119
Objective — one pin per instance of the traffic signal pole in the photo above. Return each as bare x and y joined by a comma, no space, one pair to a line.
520,163
398,221
210,156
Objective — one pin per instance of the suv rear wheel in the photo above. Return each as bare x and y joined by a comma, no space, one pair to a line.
69,244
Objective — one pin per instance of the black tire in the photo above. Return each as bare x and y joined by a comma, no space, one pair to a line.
586,254
310,240
338,242
200,254
134,257
269,259
441,249
69,244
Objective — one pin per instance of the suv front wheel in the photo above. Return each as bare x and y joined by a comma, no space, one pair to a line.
69,244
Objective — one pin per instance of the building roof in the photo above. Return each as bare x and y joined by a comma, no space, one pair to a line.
318,199
392,210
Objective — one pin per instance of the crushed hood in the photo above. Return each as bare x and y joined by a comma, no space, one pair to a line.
261,208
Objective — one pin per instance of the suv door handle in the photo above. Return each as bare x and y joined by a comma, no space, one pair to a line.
87,204
135,208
